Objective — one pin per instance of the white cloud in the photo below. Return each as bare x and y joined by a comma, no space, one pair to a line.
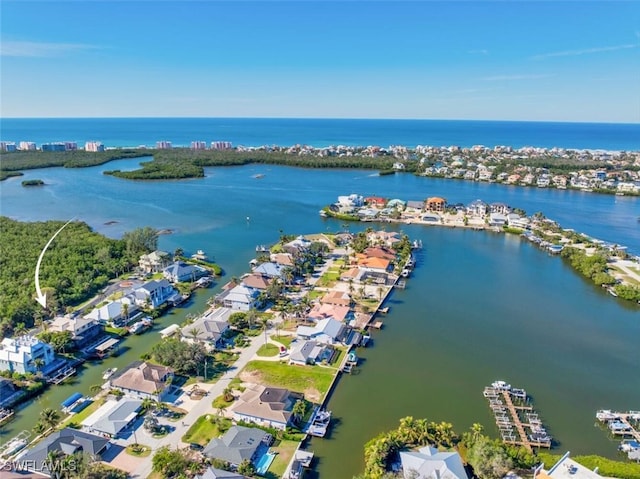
585,51
40,49
517,77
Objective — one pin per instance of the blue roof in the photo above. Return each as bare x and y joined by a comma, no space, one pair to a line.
71,399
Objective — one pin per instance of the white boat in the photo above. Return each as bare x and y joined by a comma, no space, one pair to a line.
606,415
323,213
13,446
320,423
405,273
501,385
108,373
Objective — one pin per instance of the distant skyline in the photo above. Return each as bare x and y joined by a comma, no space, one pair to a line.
483,60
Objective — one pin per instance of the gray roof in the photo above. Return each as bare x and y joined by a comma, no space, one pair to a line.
236,445
428,463
213,473
67,441
210,327
302,351
113,416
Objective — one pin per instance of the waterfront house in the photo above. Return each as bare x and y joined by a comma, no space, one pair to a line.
376,201
566,468
267,406
143,380
373,263
380,252
477,208
115,312
415,205
208,328
500,208
326,331
256,281
497,219
154,262
214,473
298,245
396,203
431,218
352,274
336,297
83,329
325,310
429,463
154,293
25,354
238,444
383,238
113,417
270,270
518,221
283,259
65,442
376,277
435,204
240,298
309,352
180,271
350,201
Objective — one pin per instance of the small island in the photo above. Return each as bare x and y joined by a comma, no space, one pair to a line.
33,183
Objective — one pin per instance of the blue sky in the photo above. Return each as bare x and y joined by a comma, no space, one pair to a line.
517,60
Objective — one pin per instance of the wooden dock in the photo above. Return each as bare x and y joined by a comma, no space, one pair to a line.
628,423
507,416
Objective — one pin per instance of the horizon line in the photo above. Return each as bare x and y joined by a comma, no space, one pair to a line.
2,118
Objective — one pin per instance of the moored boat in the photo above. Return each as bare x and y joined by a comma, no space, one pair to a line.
501,385
108,373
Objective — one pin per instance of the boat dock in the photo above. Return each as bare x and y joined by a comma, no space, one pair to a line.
5,415
516,419
624,424
61,375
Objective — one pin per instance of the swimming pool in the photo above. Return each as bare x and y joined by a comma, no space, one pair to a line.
264,462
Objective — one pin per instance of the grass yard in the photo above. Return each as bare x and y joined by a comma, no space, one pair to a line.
329,278
268,350
285,451
82,415
203,430
313,381
284,340
315,294
138,450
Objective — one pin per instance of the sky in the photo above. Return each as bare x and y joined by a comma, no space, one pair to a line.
485,60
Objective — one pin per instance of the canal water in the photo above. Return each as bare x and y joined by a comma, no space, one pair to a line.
479,307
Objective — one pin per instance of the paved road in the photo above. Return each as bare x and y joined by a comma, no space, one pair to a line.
200,408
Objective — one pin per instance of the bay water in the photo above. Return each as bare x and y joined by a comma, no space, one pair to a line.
479,307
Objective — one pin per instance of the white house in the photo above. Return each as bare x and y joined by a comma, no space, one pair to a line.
114,312
82,329
327,331
266,406
154,293
240,298
428,463
154,262
143,380
21,354
208,328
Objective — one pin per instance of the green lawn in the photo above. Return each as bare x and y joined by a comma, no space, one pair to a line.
82,415
285,451
268,350
310,380
203,430
329,278
315,294
284,340
139,450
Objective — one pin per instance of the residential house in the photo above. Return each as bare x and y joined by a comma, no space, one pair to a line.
351,201
376,277
309,352
25,354
154,262
386,238
477,208
113,417
327,331
431,218
415,205
240,298
376,201
283,259
256,281
66,442
380,252
180,272
428,463
214,473
435,204
143,380
270,270
373,263
297,245
352,274
238,444
518,221
266,406
336,297
209,328
500,208
83,329
325,310
566,468
117,312
497,219
396,204
154,294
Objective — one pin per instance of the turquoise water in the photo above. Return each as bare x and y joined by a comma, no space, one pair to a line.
479,307
322,132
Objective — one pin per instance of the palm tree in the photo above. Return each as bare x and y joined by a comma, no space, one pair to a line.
125,311
38,363
194,333
148,404
95,388
49,417
264,323
299,410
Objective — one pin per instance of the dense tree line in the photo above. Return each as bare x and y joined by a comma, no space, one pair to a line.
12,163
183,357
76,266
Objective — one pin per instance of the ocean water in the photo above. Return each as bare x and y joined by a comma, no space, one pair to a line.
115,132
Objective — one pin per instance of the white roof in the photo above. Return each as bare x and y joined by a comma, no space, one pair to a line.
428,463
328,326
113,416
